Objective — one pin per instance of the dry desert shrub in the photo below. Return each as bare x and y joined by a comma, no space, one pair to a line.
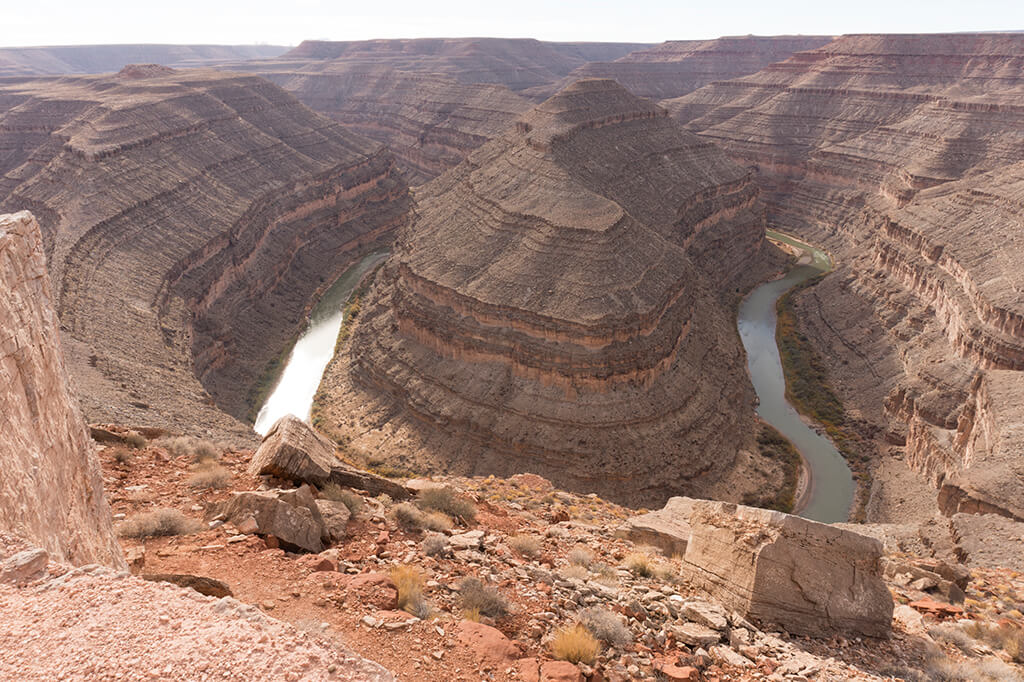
581,556
478,597
527,546
352,500
135,440
208,475
1007,637
606,626
412,518
198,450
436,545
447,501
575,644
158,522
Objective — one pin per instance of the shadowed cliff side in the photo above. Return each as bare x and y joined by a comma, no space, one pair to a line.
545,312
188,218
51,488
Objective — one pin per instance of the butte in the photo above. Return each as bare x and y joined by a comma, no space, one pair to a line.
561,304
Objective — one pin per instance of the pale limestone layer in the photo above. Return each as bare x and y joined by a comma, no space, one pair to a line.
51,489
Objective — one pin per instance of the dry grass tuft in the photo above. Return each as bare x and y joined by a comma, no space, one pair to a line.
527,546
156,523
436,545
639,564
409,581
575,644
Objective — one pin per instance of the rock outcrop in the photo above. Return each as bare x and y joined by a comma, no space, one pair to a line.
292,517
294,452
677,67
903,155
808,577
51,489
188,218
544,312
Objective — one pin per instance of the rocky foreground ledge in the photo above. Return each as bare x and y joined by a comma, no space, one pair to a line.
480,578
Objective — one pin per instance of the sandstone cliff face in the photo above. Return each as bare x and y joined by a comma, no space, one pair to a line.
903,154
543,313
677,67
51,490
188,217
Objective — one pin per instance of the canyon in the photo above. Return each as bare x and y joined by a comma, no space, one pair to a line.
902,155
555,307
560,299
188,219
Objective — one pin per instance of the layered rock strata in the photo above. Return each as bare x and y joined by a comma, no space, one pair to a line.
515,63
430,122
188,218
902,153
677,67
51,488
544,311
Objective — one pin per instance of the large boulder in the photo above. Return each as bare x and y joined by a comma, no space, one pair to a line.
668,528
293,451
291,516
808,577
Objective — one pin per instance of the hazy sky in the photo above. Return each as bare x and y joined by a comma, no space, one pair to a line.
288,22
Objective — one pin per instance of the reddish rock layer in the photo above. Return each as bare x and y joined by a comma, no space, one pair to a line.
188,219
543,313
904,154
51,488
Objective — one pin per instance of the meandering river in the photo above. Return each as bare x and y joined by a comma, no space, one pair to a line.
831,489
295,388
831,482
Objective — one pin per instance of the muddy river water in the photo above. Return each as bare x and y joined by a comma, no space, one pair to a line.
295,388
831,488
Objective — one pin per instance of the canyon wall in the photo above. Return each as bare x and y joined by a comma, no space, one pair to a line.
430,122
554,307
677,67
516,63
903,155
188,218
51,487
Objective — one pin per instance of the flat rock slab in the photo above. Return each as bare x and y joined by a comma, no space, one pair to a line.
668,528
808,577
211,587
